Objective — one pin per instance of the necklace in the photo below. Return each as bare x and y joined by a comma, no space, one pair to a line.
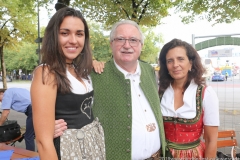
71,65
182,90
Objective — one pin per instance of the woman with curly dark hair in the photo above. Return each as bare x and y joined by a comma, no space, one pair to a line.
188,105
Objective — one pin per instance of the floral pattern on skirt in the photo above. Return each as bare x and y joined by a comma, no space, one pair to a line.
89,145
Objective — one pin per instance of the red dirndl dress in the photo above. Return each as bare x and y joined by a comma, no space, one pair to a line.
183,135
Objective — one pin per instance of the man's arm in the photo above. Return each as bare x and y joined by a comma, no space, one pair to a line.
4,116
60,127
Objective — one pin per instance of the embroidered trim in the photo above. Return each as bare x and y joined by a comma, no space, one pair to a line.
198,109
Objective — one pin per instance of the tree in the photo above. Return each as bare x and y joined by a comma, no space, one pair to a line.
217,11
24,58
17,22
150,12
151,46
144,12
99,42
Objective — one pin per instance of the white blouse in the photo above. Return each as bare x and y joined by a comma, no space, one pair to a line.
77,86
210,105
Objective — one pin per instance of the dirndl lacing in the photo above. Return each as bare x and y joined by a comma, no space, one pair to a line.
86,143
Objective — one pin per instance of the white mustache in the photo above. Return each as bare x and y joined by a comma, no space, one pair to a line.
127,50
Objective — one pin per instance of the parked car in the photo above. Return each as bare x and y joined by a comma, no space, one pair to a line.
9,79
218,77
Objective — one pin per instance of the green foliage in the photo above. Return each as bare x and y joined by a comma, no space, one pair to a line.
17,21
99,42
150,12
144,12
151,45
217,11
42,31
21,57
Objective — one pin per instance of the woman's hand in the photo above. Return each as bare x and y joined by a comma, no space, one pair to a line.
98,66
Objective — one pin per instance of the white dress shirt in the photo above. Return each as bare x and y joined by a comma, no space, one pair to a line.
144,143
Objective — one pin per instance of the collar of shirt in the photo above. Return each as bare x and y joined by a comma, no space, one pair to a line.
127,74
187,110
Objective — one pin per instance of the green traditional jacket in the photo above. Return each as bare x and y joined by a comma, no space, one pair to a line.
113,106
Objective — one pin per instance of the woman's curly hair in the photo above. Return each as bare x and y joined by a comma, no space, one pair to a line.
197,68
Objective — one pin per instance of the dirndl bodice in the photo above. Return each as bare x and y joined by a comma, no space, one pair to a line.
84,137
183,135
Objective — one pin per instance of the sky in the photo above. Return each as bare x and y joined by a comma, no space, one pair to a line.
172,27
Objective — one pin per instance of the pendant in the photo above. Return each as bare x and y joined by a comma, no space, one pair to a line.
72,66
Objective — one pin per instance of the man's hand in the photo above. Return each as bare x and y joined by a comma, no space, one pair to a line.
4,116
60,127
98,66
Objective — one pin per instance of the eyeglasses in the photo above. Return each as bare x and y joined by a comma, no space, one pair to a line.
132,41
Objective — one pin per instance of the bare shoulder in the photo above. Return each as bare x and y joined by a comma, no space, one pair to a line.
43,75
43,85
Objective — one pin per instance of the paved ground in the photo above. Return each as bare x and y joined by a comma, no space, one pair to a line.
229,116
229,120
20,117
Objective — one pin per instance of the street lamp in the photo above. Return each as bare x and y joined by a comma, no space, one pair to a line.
39,56
39,39
58,5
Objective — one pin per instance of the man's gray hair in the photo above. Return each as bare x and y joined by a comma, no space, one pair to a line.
113,31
